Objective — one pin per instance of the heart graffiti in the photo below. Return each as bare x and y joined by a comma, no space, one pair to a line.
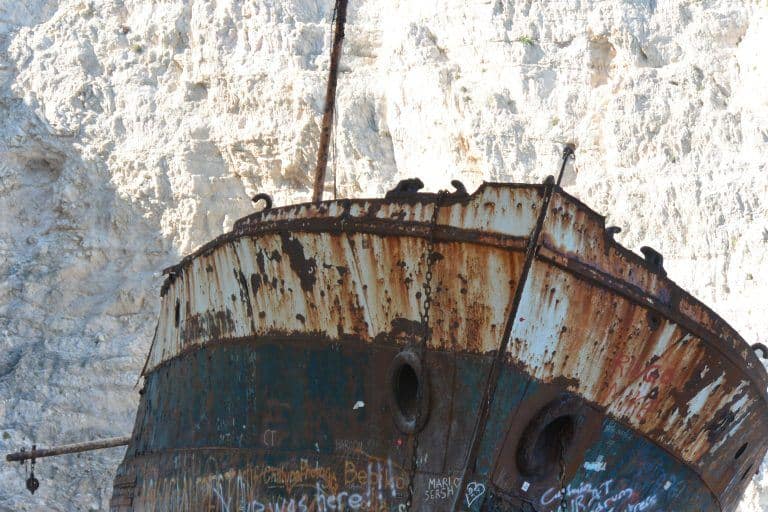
474,491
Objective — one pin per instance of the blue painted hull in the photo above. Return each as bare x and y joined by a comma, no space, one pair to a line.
217,428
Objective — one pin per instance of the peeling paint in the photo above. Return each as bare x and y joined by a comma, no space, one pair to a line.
594,321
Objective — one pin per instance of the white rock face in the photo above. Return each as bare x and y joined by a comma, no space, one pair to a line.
131,132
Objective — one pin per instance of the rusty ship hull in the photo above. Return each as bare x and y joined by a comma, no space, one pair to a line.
293,367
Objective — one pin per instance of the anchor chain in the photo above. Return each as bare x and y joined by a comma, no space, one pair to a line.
429,254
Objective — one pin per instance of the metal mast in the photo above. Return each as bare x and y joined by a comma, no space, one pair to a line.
340,11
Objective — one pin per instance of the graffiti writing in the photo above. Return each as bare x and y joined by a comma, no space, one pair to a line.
441,488
372,485
474,491
605,497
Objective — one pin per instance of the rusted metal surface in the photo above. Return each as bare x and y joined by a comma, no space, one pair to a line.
360,285
340,11
284,326
267,422
492,381
305,278
662,381
575,236
40,453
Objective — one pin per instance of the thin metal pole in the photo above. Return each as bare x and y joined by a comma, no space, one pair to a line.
492,380
68,448
569,151
330,101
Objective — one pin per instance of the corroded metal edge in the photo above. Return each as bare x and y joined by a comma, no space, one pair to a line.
650,290
319,217
639,297
289,216
679,298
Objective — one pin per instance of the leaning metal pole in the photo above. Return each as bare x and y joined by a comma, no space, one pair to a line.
330,101
68,448
569,151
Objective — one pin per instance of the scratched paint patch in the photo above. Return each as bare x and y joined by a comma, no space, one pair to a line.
333,286
644,369
302,485
270,466
637,476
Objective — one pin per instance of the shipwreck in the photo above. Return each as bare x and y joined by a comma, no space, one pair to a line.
453,351
487,351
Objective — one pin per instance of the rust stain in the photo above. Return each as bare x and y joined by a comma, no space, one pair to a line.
305,268
594,319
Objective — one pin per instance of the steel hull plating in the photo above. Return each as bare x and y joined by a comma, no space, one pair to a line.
273,381
274,427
